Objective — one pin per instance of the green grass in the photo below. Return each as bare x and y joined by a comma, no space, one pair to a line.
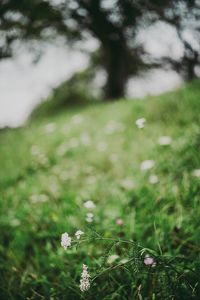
67,167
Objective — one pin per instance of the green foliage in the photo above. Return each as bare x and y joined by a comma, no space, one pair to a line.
48,170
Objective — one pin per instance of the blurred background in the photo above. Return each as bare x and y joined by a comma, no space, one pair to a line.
85,145
122,48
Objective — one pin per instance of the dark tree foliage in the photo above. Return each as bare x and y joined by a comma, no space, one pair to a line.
114,23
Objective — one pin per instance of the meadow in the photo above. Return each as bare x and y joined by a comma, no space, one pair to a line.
133,192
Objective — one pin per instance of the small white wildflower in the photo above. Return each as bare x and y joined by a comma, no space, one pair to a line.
196,173
15,222
127,184
91,179
78,234
73,143
113,127
153,179
140,122
85,139
77,119
113,157
101,147
85,279
89,204
65,240
35,150
62,149
89,217
49,128
164,140
147,165
66,128
39,198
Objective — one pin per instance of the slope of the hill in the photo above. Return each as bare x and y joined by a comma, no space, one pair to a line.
50,168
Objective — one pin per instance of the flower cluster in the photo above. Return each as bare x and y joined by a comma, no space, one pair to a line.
85,279
65,240
140,122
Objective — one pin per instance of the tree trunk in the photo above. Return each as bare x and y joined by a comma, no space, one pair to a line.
190,69
115,56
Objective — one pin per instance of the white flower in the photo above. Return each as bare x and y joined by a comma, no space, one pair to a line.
78,234
101,147
85,279
65,240
147,165
49,128
85,139
73,143
164,140
89,204
153,179
113,127
196,173
140,122
35,150
39,198
127,184
89,217
77,119
113,157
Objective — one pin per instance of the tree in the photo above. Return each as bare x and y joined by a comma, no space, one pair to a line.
114,23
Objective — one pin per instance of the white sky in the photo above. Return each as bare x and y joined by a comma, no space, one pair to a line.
23,84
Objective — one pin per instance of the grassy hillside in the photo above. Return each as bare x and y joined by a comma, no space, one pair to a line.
50,168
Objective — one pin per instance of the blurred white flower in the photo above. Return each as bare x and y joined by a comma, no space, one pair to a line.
113,157
119,222
64,175
112,258
153,179
149,261
66,128
147,165
49,128
73,143
140,122
62,149
15,222
113,126
39,198
101,147
35,150
78,234
127,184
164,140
89,204
196,173
65,240
89,217
91,179
85,279
77,119
85,139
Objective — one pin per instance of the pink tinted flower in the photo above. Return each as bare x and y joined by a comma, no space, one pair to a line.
119,222
149,261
